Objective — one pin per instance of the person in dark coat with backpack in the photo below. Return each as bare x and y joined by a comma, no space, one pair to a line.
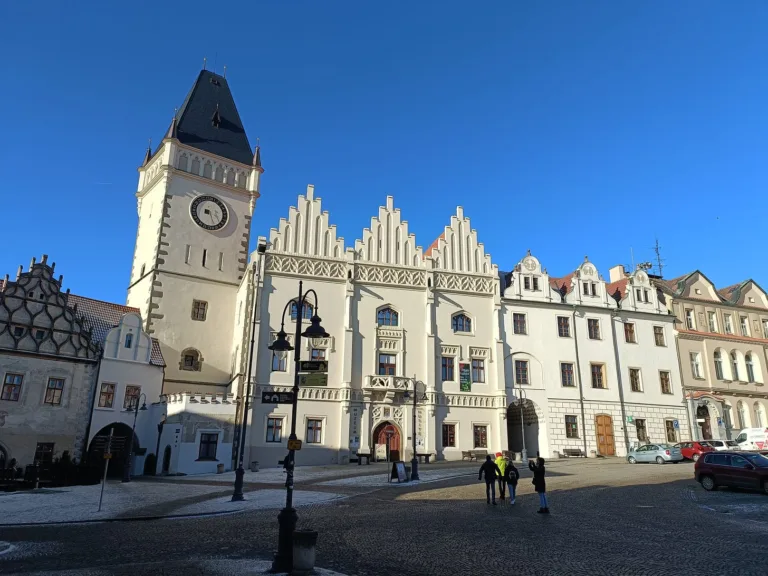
492,472
511,475
540,483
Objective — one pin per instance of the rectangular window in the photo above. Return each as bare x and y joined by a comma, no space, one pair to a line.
53,391
585,288
478,371
447,368
317,354
765,329
744,326
695,365
690,321
571,427
728,324
566,374
635,382
594,289
535,282
521,372
527,282
44,452
208,445
639,294
387,365
128,340
131,400
564,326
480,435
279,362
598,376
314,431
594,328
199,310
12,387
712,321
646,296
205,256
449,435
642,432
629,333
221,261
669,426
106,395
274,429
658,336
187,254
518,324
666,382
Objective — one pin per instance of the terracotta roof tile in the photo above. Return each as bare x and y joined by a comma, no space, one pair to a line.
562,285
619,286
434,244
156,357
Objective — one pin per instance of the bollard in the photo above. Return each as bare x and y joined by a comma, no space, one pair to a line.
304,542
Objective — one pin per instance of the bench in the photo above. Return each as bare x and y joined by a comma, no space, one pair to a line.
574,452
473,454
424,457
361,455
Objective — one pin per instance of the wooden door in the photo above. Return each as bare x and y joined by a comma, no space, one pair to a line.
606,445
394,442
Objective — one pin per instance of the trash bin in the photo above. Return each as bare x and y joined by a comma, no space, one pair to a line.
219,468
304,542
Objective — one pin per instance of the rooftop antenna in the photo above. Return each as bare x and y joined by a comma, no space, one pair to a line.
632,258
659,259
205,62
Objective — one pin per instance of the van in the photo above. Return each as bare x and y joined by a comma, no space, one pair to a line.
753,439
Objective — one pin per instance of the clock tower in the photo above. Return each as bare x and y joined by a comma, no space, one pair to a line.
196,195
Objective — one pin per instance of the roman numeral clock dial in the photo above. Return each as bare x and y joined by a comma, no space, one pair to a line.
209,212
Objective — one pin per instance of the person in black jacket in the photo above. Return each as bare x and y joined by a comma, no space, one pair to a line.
512,475
491,471
539,483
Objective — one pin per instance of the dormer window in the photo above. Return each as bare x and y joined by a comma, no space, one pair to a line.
535,282
461,323
387,317
646,296
589,288
639,294
527,282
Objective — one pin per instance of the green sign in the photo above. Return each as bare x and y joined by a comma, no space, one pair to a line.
630,419
465,378
313,379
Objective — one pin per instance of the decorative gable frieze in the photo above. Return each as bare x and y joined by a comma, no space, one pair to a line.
292,265
464,283
390,275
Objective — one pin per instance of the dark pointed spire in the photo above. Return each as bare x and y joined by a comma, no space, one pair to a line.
173,131
148,154
257,157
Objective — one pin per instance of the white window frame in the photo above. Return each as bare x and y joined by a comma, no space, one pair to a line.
525,324
712,320
283,436
744,325
727,324
640,379
663,336
690,319
573,374
456,437
487,435
323,430
695,362
198,437
599,329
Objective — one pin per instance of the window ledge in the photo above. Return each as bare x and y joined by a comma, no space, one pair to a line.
104,409
206,460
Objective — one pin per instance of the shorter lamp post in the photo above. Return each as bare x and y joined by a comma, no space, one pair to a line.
419,394
287,517
129,452
524,453
160,426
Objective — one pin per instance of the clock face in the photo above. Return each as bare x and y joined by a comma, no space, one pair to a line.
530,264
209,212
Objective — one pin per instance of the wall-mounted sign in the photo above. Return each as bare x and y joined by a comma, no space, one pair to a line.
313,379
313,366
465,378
277,397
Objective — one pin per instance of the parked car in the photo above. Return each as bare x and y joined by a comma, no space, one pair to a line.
693,450
733,469
753,439
721,445
659,453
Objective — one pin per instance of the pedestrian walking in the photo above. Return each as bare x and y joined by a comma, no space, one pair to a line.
501,462
539,483
491,472
512,475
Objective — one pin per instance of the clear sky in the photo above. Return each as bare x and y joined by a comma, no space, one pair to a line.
568,127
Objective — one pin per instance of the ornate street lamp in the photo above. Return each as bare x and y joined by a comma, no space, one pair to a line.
419,395
287,517
129,452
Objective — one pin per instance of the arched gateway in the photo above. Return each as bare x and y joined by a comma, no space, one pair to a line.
380,435
523,424
120,435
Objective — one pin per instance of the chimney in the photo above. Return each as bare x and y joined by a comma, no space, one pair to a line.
617,273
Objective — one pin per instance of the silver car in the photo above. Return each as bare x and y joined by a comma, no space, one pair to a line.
721,445
659,453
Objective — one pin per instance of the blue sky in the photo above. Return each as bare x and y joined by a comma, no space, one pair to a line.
570,128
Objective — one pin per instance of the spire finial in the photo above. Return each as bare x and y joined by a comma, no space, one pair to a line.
225,71
529,251
172,132
205,62
257,155
148,154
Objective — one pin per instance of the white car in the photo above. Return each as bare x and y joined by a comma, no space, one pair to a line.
721,445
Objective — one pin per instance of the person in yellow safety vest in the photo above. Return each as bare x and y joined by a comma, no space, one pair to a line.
501,462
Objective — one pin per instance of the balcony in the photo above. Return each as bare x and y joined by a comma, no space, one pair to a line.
386,383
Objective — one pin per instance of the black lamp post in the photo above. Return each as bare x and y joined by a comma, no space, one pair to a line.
287,517
129,452
160,426
419,394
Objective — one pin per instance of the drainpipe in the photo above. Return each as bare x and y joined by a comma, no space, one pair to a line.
688,409
614,315
581,389
84,455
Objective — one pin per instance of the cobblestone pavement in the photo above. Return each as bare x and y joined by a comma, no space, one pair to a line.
607,517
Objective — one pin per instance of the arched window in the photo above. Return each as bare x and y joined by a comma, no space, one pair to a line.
241,180
719,365
461,323
183,162
750,371
231,177
735,366
196,166
307,311
207,170
759,416
219,174
741,412
387,317
190,360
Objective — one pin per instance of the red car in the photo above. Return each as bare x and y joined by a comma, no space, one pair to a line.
693,450
733,469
